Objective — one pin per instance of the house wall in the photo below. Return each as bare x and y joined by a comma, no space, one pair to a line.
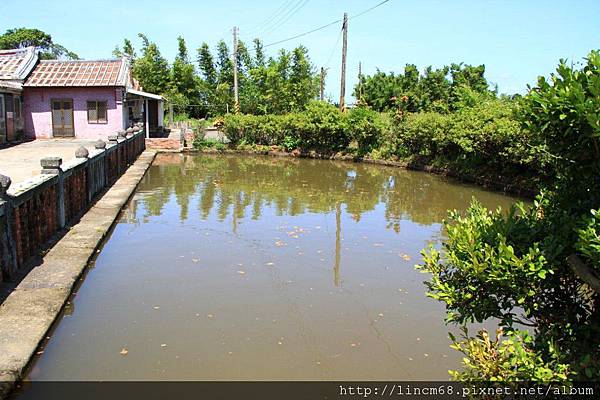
38,116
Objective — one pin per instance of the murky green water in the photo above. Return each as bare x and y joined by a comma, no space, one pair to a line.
249,268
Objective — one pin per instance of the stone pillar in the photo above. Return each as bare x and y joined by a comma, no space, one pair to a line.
82,152
8,249
51,166
101,145
114,139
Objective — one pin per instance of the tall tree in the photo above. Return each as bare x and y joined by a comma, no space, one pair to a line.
151,69
184,87
206,63
18,38
127,50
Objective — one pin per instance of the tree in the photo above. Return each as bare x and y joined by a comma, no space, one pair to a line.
434,90
184,86
206,64
24,37
127,50
151,69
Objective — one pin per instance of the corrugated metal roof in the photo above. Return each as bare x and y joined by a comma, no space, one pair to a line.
79,73
15,64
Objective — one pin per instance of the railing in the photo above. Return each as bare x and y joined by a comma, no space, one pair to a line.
35,210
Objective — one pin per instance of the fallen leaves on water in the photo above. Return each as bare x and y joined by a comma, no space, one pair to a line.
156,307
406,257
124,351
241,272
210,316
279,243
163,345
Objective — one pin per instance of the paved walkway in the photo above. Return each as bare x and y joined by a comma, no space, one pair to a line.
22,161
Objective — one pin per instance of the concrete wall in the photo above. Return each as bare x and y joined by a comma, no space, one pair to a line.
38,116
34,210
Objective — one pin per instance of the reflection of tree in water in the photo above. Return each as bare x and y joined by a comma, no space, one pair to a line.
241,186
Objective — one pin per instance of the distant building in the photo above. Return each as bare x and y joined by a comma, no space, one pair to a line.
88,99
15,66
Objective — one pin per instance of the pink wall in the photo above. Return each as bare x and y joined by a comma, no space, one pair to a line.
38,118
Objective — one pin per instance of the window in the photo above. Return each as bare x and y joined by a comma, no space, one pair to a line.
97,112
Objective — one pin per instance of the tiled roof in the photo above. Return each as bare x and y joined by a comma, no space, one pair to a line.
79,73
15,64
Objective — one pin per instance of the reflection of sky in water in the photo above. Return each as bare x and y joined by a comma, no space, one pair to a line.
264,268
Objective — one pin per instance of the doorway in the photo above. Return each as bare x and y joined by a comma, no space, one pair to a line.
62,118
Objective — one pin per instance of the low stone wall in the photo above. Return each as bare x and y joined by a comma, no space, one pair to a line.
35,210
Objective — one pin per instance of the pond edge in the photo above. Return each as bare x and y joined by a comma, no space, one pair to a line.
30,311
485,182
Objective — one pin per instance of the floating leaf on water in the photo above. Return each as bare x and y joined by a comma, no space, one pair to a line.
123,351
426,355
380,314
270,264
163,345
241,272
156,307
210,316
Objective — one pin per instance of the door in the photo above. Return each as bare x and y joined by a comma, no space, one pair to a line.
2,120
62,118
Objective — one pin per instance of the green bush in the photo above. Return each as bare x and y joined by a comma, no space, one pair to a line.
518,268
507,358
366,127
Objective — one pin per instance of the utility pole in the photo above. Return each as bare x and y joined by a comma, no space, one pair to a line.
322,97
236,104
359,81
344,51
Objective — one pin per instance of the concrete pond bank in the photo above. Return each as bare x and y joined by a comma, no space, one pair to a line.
27,314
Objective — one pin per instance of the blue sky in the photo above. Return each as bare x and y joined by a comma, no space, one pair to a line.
516,40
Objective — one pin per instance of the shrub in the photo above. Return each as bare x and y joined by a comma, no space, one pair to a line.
537,267
366,127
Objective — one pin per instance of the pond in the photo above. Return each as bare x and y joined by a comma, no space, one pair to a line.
258,268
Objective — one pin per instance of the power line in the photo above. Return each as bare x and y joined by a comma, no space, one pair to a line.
264,24
368,10
334,48
304,34
286,18
327,25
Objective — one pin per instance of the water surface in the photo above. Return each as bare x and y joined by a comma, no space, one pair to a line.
252,268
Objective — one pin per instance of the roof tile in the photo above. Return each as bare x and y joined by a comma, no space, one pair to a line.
77,73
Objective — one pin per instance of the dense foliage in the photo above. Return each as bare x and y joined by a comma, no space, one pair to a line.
535,268
435,90
482,137
321,127
274,85
24,37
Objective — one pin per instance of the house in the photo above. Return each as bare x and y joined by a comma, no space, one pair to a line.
15,66
87,99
